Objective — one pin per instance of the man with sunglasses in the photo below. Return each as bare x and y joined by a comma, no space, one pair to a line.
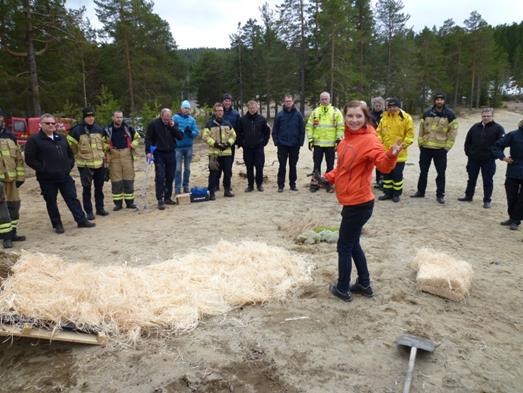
49,154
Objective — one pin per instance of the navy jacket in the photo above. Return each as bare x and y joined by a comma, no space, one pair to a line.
252,131
232,117
289,128
513,140
51,159
480,140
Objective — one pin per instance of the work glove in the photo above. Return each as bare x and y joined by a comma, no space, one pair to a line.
19,183
224,146
311,144
217,145
188,131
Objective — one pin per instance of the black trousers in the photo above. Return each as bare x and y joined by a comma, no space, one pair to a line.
233,153
393,182
439,156
488,169
164,168
88,177
225,166
49,190
317,156
291,153
514,190
254,157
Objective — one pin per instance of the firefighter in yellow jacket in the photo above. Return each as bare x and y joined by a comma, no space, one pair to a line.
87,143
395,125
122,141
324,131
12,176
220,136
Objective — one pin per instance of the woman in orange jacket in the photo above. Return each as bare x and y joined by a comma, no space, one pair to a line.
358,153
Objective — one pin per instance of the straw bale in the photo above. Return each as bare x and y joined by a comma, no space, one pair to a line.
126,302
442,275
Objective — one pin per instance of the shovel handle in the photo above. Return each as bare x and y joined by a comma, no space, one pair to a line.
408,378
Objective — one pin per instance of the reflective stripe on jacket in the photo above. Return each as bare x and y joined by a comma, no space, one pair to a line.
219,131
438,130
11,161
87,145
325,126
394,127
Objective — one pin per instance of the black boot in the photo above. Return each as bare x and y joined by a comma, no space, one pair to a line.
130,204
8,243
228,193
17,238
212,196
117,206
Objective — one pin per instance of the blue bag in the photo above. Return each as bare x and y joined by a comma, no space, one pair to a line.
199,194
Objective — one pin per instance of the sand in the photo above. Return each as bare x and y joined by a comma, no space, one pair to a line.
310,342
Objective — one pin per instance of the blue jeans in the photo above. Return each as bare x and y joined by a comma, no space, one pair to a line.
349,248
184,153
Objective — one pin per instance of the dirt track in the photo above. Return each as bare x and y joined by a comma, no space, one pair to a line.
311,342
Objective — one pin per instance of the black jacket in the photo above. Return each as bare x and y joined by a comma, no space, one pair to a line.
480,140
51,159
161,136
252,131
513,140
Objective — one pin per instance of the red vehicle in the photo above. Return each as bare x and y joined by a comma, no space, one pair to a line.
24,127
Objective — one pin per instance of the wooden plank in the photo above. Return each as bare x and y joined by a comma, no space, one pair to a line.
57,335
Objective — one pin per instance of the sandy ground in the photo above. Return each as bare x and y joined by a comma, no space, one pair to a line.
311,342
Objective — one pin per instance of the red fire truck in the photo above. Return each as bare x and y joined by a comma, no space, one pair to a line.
24,127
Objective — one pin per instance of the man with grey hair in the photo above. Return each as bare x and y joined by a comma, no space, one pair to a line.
162,133
325,129
479,145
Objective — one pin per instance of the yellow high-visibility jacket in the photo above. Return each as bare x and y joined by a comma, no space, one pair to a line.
438,130
220,131
325,126
394,127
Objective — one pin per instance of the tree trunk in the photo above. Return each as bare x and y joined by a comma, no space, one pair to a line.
83,81
302,61
478,91
31,60
458,79
471,98
331,84
127,55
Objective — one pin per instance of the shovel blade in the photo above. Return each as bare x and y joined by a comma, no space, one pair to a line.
408,340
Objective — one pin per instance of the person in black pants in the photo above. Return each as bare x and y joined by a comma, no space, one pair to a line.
514,175
288,135
479,145
253,134
49,154
163,133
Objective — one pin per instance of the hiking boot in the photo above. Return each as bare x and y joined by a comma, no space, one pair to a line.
396,198
212,196
361,290
345,296
487,205
86,224
117,207
161,205
8,243
90,216
249,189
228,194
186,190
59,229
465,199
17,238
131,205
384,197
293,188
169,201
441,200
506,222
417,194
514,226
280,189
102,212
260,188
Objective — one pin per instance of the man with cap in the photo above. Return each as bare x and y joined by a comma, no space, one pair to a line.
325,129
49,154
437,132
187,125
395,125
12,176
87,143
232,116
122,141
479,146
163,133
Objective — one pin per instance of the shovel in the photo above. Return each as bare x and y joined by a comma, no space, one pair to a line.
414,343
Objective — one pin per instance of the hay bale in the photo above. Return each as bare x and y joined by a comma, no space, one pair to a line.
442,275
126,302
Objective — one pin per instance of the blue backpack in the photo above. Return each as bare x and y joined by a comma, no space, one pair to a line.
199,194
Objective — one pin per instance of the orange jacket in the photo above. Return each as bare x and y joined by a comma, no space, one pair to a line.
358,153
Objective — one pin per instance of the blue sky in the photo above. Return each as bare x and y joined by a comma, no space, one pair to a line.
208,23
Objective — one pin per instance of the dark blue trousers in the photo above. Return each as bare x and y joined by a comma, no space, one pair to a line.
88,177
225,166
164,168
50,188
439,156
349,248
488,169
514,190
254,157
292,153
